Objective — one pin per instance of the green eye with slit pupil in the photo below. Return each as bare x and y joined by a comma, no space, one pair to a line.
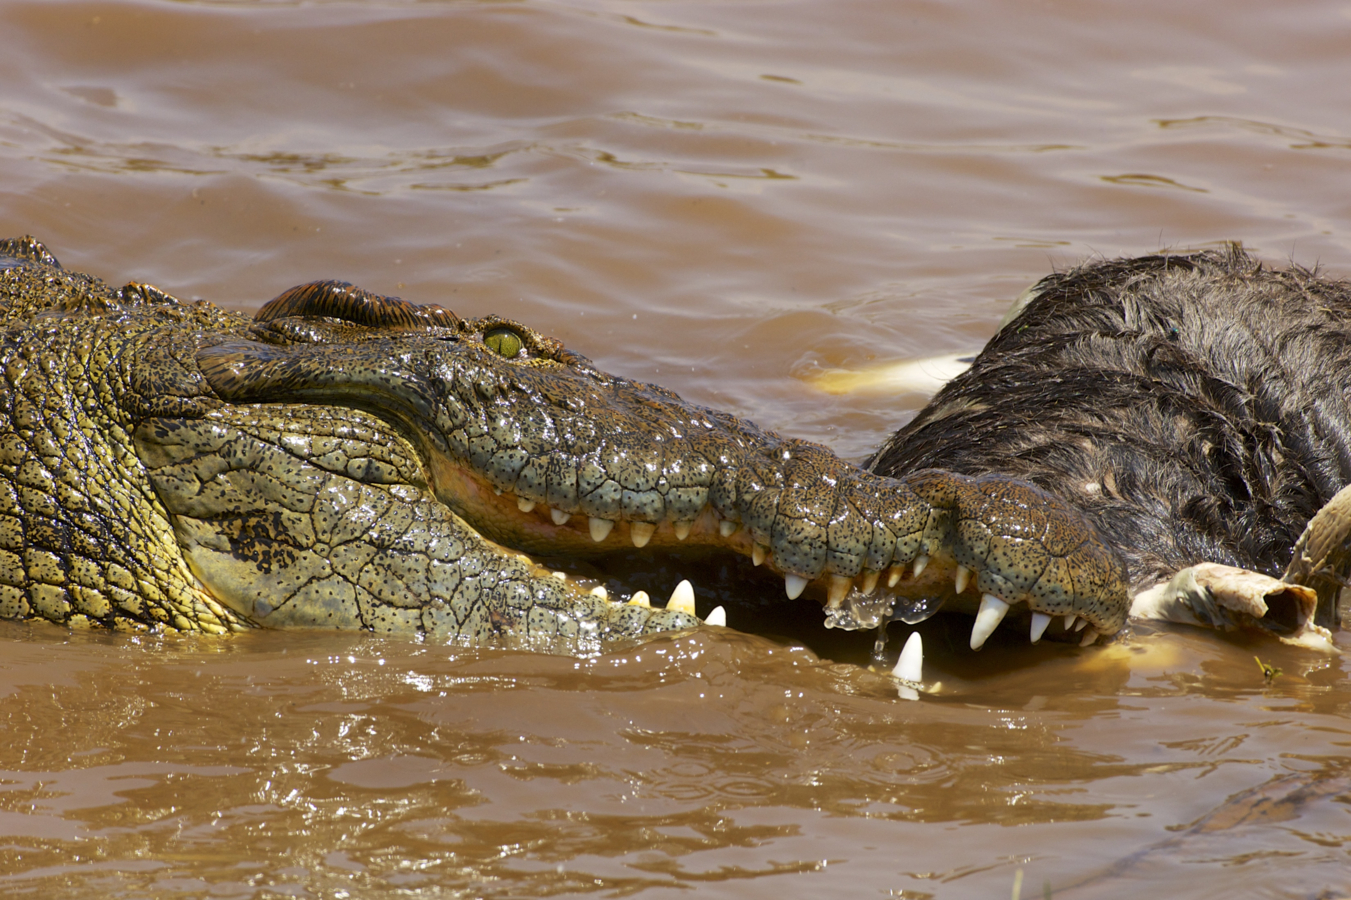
503,341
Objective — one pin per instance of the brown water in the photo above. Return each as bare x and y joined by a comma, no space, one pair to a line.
724,198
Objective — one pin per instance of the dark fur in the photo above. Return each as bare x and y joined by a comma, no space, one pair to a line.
1205,395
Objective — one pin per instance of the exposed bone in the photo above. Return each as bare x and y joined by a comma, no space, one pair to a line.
727,528
524,505
910,667
682,529
641,533
869,582
559,517
717,617
837,590
682,598
1039,623
992,611
920,562
640,599
794,585
963,578
758,553
600,528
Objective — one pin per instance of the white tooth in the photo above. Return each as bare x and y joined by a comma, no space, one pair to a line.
717,617
497,491
1039,623
910,667
906,692
794,585
561,576
524,505
727,528
601,592
837,590
992,611
1090,636
920,562
640,599
559,517
641,532
1079,625
682,598
869,583
1069,620
963,578
894,575
682,529
758,552
600,529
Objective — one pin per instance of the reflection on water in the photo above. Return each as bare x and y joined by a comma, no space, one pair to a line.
729,199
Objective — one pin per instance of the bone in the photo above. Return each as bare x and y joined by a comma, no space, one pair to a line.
682,598
559,517
600,528
1039,623
717,617
910,667
794,585
963,578
992,611
641,533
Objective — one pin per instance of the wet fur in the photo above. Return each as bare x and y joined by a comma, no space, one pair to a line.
1194,406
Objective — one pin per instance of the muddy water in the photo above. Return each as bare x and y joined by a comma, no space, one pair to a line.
727,198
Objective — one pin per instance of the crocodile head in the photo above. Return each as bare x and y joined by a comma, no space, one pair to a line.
350,460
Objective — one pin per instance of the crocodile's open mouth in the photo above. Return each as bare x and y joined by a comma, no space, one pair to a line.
513,453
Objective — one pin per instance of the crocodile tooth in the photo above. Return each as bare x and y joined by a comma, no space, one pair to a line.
682,529
894,575
524,505
1090,636
600,529
910,667
758,553
682,598
1069,620
640,599
869,582
1039,623
837,590
601,592
561,576
641,532
963,578
497,491
920,562
717,617
559,517
992,611
794,585
727,528
1079,625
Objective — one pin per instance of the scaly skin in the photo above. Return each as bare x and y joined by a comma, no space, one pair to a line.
346,460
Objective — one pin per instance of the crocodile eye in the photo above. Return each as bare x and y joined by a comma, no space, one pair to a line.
504,341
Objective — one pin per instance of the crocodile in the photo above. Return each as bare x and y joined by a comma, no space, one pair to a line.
353,461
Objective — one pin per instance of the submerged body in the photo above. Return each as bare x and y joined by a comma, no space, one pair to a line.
348,460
